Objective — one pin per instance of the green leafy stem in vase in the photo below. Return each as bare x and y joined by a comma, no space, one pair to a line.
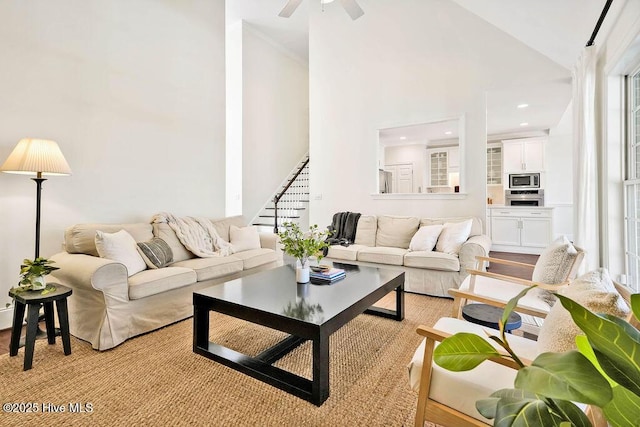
301,245
31,272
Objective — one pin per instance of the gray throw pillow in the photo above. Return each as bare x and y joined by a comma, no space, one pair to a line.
156,253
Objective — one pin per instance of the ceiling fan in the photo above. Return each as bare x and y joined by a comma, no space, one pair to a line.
350,6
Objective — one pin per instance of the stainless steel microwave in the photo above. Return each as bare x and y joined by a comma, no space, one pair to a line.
520,181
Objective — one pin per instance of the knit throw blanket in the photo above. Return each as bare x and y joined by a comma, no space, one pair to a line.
196,234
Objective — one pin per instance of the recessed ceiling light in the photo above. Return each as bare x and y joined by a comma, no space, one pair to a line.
448,132
524,124
523,105
326,1
403,138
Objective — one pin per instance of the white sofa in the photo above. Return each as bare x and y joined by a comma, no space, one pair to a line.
384,241
107,307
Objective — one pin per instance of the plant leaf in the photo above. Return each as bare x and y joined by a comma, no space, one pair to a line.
487,407
566,376
624,408
584,347
513,302
571,412
611,339
524,413
635,305
463,351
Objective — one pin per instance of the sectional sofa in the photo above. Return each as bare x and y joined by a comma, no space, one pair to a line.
110,305
387,240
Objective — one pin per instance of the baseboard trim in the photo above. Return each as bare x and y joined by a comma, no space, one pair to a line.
6,317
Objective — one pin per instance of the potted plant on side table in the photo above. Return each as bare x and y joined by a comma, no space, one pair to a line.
301,246
32,275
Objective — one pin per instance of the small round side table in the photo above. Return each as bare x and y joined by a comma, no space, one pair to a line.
33,300
489,316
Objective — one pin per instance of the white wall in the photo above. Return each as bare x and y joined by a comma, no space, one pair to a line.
558,191
134,94
403,62
275,117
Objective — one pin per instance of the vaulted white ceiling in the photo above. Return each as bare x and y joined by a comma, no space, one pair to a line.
558,29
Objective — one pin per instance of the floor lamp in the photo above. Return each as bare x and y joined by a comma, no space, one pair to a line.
37,157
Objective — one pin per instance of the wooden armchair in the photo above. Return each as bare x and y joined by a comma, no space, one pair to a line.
453,413
448,398
497,289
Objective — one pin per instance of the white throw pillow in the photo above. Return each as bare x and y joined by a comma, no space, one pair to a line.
555,262
425,238
122,248
453,235
244,238
594,291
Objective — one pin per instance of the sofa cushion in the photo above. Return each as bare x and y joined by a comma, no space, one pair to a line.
366,230
222,225
453,235
151,282
447,387
382,255
80,238
396,231
256,257
476,223
594,291
425,238
244,238
432,260
156,253
120,247
211,268
166,233
347,253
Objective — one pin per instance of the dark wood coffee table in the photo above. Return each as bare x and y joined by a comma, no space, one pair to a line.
307,312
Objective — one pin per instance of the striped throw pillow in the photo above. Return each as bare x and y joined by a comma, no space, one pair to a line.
156,253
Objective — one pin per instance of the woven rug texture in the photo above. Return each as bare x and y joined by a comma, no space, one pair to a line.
156,379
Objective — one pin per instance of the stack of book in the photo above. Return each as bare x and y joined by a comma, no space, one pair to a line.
327,276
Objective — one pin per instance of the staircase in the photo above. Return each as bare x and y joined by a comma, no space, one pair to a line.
289,203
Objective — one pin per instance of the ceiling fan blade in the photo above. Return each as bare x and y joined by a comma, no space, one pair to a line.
289,8
353,9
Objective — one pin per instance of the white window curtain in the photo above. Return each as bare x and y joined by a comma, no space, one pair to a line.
586,233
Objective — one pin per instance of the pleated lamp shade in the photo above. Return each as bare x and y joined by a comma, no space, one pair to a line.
36,157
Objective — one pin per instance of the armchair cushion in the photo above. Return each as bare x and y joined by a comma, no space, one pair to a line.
448,387
593,290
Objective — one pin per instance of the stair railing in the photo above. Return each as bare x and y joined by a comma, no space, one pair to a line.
278,196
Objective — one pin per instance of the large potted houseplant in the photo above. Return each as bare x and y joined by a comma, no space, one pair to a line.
301,246
604,372
32,275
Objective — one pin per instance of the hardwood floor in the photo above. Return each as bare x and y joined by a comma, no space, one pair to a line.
5,335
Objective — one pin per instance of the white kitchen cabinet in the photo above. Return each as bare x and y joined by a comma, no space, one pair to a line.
494,164
523,155
441,162
521,230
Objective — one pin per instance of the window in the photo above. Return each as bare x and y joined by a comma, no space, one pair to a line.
632,183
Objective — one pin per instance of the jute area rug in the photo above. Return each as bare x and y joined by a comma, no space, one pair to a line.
156,379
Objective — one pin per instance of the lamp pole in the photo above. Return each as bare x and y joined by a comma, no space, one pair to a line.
39,180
